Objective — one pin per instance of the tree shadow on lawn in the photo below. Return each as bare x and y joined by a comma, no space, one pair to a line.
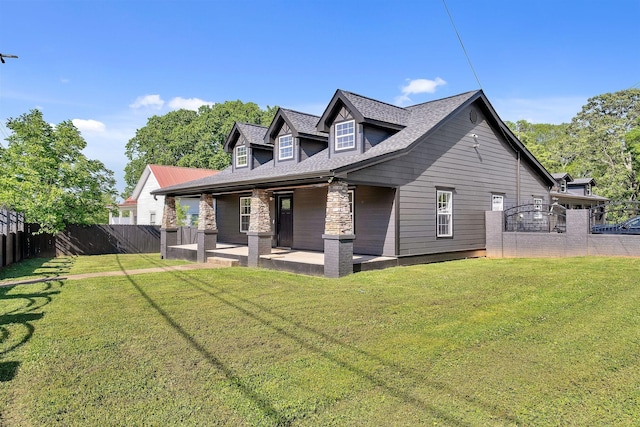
38,268
314,344
17,320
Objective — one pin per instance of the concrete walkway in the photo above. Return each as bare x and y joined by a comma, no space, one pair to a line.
195,266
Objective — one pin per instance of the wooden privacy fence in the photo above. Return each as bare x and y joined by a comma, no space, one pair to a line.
19,241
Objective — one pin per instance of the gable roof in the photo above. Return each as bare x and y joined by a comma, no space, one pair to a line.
365,110
583,181
253,134
301,124
168,176
420,122
562,175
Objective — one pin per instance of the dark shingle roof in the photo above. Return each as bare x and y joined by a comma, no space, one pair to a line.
303,123
583,181
254,134
420,120
377,110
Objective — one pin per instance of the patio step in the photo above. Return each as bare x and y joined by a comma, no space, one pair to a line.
223,262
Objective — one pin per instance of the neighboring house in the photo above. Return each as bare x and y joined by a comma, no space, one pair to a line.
145,209
368,177
575,193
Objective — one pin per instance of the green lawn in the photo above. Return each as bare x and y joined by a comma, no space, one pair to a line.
475,342
38,268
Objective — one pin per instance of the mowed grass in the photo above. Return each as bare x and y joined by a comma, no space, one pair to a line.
475,342
38,268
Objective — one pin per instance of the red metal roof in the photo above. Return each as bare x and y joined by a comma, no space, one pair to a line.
172,175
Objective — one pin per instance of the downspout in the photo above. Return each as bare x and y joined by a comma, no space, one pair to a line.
518,181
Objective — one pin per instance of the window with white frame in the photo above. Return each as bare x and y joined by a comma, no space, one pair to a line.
497,202
587,190
241,156
563,186
152,218
345,135
245,213
537,208
444,220
285,147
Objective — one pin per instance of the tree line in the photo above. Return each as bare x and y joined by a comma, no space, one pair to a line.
45,175
602,142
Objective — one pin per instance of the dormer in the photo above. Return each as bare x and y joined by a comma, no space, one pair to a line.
356,123
294,137
562,181
246,145
582,186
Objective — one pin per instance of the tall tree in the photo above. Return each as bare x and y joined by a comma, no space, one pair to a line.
45,175
599,136
546,141
189,138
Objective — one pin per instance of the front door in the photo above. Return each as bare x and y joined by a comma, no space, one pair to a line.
285,221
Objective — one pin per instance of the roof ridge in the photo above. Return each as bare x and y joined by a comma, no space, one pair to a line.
177,167
252,124
373,99
300,112
443,99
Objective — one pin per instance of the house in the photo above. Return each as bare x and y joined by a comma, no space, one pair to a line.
575,193
408,183
145,209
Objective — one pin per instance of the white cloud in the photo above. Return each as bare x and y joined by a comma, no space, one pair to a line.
148,101
554,110
417,86
188,104
89,125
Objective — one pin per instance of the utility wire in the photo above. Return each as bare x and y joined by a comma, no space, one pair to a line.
635,85
462,44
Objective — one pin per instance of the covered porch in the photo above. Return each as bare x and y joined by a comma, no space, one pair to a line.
295,261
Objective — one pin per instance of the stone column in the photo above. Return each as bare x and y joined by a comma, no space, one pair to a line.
168,229
207,227
259,234
338,233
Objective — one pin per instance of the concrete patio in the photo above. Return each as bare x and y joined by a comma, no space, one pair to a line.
303,262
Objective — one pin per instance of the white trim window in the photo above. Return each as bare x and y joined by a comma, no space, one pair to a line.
497,202
563,186
245,213
444,209
152,218
241,156
285,147
537,208
587,190
345,135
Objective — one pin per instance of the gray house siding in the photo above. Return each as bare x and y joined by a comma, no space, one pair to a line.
309,147
228,219
309,210
374,221
372,136
450,161
260,157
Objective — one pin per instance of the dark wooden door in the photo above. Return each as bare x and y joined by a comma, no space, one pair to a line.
285,221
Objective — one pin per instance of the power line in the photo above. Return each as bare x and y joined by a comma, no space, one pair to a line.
635,85
462,44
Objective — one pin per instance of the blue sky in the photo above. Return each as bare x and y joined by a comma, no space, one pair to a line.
110,65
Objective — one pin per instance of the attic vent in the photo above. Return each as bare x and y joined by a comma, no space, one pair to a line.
473,116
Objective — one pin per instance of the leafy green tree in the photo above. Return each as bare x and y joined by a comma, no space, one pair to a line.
599,136
45,175
189,138
546,142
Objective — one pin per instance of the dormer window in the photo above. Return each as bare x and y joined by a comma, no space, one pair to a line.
285,147
241,156
587,189
563,186
345,135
